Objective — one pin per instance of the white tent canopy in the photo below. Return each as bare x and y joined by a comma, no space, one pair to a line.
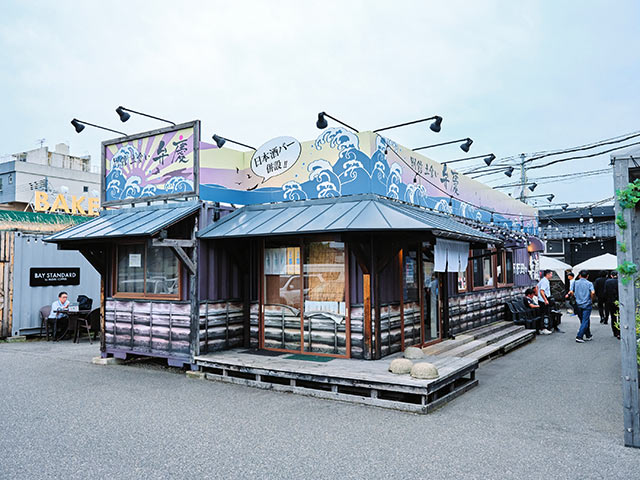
603,262
550,263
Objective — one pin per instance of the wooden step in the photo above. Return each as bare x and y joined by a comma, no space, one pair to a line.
446,345
466,349
485,330
504,333
502,346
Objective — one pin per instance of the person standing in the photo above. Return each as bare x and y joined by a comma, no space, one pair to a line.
611,298
598,285
569,295
545,300
585,294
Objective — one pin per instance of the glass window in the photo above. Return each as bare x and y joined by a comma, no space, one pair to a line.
324,277
142,270
162,271
462,281
131,268
482,269
411,276
509,266
282,276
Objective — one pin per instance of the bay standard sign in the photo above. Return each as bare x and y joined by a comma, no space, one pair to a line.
52,276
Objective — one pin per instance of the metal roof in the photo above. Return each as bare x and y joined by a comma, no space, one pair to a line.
127,222
344,214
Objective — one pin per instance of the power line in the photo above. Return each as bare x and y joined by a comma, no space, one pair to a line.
584,156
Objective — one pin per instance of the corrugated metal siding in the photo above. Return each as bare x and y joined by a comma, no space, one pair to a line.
32,251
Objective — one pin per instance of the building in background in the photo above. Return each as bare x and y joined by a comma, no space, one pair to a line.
52,173
576,235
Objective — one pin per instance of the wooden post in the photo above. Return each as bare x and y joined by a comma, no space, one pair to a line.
366,288
194,290
628,298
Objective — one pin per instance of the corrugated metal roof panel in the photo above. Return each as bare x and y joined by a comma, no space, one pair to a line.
354,213
128,222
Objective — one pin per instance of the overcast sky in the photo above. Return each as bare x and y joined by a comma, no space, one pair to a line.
514,76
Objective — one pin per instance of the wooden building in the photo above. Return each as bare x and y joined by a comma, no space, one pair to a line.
338,251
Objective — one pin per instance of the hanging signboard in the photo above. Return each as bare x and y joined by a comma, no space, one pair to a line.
153,165
53,276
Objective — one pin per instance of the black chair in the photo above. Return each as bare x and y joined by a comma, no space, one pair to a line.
90,322
44,319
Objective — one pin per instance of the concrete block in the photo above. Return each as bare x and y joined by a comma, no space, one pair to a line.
16,338
106,361
195,375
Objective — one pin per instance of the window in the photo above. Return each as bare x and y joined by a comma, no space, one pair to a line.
554,247
505,268
10,178
282,276
482,269
324,277
147,271
85,189
410,286
462,282
0,184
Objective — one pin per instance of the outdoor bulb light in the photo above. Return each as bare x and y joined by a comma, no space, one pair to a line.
590,219
551,197
219,141
322,122
490,159
124,116
77,125
509,171
581,220
533,186
466,145
436,125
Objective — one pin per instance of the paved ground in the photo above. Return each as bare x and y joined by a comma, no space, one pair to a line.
551,409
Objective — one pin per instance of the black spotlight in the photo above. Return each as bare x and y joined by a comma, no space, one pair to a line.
77,125
322,122
124,116
509,171
490,159
533,186
219,140
565,206
435,126
466,145
551,197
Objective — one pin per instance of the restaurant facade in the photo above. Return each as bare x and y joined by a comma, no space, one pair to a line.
349,246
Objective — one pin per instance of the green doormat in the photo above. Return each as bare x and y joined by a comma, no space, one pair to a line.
309,358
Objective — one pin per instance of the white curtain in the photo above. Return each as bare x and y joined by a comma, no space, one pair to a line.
450,256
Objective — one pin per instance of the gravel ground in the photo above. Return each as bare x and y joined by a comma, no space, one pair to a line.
551,409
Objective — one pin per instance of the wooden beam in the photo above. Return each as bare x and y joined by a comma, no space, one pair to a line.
182,255
628,297
95,258
170,242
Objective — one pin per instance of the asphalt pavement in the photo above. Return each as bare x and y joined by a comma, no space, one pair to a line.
551,409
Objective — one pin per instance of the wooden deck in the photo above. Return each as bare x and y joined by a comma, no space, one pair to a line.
358,381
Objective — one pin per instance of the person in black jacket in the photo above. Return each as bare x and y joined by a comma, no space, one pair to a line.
611,297
598,286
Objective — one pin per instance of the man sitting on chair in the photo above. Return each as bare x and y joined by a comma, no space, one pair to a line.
60,304
530,303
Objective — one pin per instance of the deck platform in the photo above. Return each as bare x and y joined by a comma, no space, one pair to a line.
358,381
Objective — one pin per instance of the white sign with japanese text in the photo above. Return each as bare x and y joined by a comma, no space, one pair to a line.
275,157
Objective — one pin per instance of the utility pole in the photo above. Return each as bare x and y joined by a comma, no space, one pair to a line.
523,178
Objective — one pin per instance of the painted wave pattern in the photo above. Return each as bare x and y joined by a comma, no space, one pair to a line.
355,172
130,178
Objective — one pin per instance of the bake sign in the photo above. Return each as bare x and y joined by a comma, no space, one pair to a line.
76,205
